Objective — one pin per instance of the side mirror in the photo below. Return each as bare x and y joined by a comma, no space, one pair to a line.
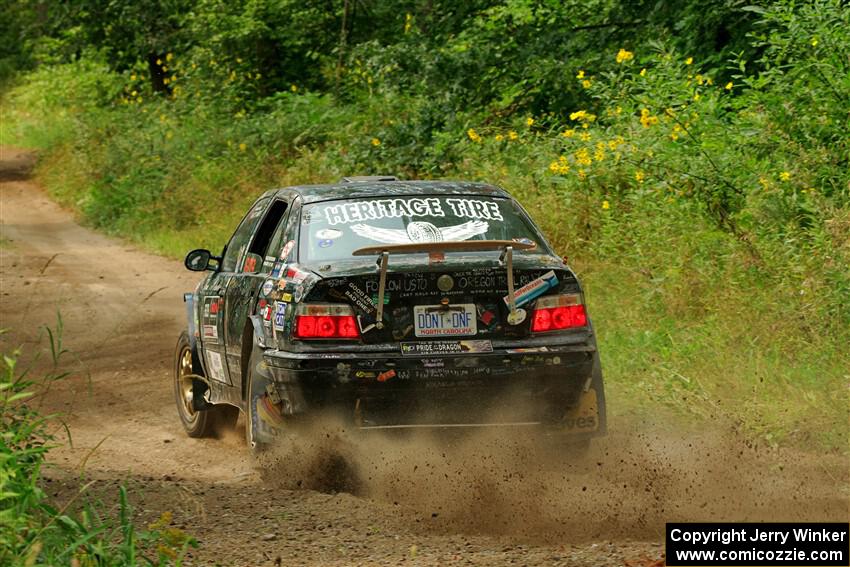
198,260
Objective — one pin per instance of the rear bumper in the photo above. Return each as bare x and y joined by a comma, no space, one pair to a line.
518,384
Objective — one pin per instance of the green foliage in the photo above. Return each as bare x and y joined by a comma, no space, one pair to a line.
32,530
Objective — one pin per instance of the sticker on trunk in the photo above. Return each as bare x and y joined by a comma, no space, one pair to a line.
445,347
533,289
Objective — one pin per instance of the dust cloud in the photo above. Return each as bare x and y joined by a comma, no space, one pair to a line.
504,481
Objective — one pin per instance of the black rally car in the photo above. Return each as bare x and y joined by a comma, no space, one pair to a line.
395,304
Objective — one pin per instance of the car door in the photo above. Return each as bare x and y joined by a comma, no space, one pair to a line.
212,307
252,270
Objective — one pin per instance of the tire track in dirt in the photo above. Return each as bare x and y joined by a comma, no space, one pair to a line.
419,500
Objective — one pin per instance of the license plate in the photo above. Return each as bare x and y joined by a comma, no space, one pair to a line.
437,321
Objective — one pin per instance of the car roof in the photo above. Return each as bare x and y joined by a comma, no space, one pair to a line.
377,189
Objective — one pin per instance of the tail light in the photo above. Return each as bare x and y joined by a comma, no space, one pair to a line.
325,321
558,312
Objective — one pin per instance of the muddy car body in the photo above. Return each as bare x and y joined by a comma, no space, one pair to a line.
424,304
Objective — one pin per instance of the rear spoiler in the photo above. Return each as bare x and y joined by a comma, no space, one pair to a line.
384,250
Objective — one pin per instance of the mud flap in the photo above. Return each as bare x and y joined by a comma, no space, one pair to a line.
588,418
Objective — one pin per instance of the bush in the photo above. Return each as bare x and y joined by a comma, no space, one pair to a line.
32,531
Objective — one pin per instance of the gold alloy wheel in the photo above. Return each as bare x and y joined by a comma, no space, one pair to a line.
184,379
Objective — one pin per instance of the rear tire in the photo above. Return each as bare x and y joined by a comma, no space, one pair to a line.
206,423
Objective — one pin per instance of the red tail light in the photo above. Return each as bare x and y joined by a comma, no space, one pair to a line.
325,322
558,312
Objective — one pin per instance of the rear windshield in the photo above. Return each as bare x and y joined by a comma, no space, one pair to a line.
332,230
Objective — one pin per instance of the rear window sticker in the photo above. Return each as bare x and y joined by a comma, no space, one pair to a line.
328,233
419,231
325,243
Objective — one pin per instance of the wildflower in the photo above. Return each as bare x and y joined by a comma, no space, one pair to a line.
689,60
606,205
473,135
699,79
139,100
529,121
624,55
376,142
674,135
814,42
133,77
243,146
643,72
639,176
764,182
696,97
513,135
728,86
239,60
785,176
169,134
586,83
581,174
583,157
159,61
582,116
559,167
580,75
408,22
708,81
293,88
499,137
568,133
646,118
585,136
165,81
134,93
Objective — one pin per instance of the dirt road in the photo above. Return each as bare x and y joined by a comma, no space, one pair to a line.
413,500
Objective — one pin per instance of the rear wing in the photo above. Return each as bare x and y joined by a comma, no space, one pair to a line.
507,248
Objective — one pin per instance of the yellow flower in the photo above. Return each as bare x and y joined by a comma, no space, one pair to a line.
559,167
239,60
580,75
689,60
513,135
159,61
646,119
293,88
581,174
639,176
139,100
133,77
582,156
134,93
643,72
624,55
586,83
169,56
499,137
585,136
785,176
606,205
165,81
696,97
243,146
814,42
376,142
764,182
408,22
529,121
169,134
728,86
473,135
568,133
